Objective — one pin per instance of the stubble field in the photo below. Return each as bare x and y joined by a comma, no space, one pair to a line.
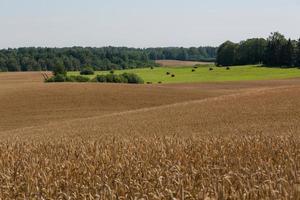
234,140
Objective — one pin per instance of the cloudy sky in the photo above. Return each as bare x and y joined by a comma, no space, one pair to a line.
143,23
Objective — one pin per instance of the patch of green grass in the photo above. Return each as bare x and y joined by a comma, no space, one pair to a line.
203,74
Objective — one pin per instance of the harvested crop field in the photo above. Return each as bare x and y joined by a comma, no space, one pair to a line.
235,140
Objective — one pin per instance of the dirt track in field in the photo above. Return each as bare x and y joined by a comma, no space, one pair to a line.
29,105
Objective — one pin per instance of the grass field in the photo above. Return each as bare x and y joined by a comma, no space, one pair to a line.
202,74
178,63
231,140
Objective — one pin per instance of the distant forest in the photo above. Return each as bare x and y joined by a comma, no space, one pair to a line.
106,58
275,51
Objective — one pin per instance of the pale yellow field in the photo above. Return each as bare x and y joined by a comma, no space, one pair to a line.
179,141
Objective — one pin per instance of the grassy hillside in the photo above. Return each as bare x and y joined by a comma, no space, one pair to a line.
203,74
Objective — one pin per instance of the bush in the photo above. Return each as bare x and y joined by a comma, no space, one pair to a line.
62,78
87,71
101,78
59,69
56,78
59,78
123,78
70,79
113,78
132,78
49,80
80,79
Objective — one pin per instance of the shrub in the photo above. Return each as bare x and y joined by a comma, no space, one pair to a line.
49,80
101,78
79,79
94,80
59,69
56,78
119,79
132,78
123,78
59,78
70,79
62,78
112,78
87,71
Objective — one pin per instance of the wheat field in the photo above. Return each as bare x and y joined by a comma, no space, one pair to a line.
235,140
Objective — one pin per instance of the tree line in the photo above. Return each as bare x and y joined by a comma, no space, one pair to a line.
106,58
275,51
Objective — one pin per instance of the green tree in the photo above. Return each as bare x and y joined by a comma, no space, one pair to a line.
59,68
297,57
226,55
251,51
274,51
287,53
13,64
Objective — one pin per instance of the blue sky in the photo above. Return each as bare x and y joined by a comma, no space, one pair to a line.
143,23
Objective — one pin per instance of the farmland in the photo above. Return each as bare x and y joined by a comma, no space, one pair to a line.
218,140
178,63
203,74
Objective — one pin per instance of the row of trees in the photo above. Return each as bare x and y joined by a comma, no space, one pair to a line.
274,51
106,58
185,54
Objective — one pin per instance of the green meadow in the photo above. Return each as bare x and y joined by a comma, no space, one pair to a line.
203,74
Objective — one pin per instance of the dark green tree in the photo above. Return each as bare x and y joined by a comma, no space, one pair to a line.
13,64
226,55
297,54
287,54
59,68
251,51
274,51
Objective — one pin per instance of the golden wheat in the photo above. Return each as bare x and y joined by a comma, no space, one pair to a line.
187,141
232,167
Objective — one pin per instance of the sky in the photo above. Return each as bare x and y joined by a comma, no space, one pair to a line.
143,23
